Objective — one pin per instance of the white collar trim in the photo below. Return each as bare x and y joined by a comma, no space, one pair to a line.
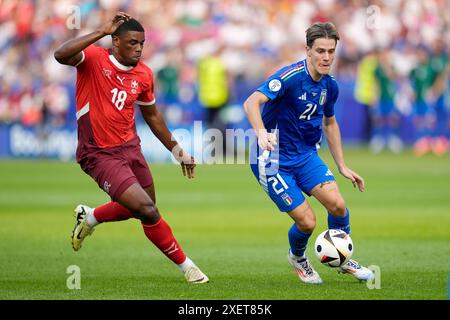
306,66
118,64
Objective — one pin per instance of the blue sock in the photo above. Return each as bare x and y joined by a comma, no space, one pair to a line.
298,240
342,223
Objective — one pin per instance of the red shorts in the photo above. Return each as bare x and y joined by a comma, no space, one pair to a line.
116,169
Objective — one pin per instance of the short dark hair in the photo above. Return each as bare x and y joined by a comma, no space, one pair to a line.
318,30
129,25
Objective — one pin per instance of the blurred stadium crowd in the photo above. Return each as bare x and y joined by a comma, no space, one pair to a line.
207,55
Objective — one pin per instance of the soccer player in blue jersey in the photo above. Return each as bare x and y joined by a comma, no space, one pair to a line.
298,105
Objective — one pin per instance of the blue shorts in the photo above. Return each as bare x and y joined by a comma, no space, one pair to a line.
286,184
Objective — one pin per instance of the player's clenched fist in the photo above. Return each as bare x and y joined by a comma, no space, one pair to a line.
114,23
267,140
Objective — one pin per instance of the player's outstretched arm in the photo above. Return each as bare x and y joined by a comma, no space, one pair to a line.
333,135
155,120
266,140
69,53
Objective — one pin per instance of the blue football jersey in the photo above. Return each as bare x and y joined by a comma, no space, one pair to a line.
296,107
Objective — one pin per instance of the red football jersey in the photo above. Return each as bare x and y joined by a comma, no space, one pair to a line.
106,92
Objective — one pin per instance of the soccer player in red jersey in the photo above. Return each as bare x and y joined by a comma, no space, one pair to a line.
109,83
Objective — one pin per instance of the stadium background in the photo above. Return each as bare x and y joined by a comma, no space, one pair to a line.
401,222
253,39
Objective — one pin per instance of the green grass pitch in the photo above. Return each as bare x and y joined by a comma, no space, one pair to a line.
230,228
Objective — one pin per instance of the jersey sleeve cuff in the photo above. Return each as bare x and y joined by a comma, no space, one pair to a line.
267,94
82,59
150,103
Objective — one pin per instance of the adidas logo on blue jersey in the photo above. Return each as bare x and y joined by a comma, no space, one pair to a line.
302,97
329,173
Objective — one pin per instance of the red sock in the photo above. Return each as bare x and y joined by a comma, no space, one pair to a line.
112,211
161,236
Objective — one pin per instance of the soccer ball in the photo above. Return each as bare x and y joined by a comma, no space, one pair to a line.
333,247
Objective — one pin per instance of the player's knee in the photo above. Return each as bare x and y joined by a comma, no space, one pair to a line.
308,224
338,208
147,212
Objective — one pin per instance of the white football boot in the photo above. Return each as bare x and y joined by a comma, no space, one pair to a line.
355,269
194,275
304,270
81,229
